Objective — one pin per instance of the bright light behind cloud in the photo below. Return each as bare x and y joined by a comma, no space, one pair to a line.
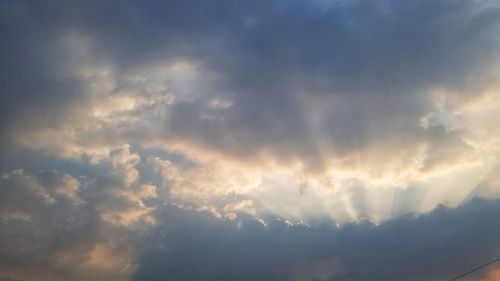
373,181
335,116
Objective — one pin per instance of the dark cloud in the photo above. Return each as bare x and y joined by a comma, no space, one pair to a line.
42,216
96,96
35,92
434,246
377,59
55,226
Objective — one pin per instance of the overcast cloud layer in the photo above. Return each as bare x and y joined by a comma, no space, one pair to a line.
249,140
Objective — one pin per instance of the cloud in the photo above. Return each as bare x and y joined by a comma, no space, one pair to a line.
364,69
435,246
269,115
58,227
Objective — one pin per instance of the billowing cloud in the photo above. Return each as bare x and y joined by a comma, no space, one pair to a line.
57,227
122,120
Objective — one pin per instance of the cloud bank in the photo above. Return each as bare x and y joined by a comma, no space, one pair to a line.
267,140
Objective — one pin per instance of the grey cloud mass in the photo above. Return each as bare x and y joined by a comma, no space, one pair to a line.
377,60
436,246
249,140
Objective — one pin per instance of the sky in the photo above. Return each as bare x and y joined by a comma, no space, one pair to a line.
319,140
